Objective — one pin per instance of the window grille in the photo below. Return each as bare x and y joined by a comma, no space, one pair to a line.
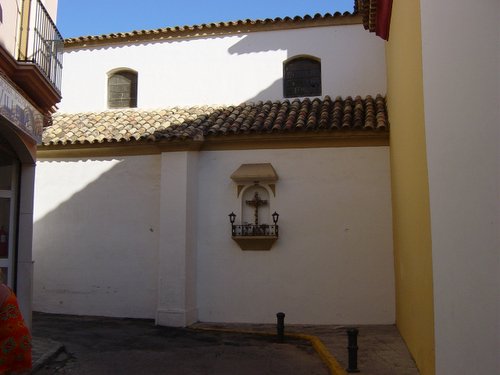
122,90
302,77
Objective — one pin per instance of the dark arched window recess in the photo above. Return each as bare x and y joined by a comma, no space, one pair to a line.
122,89
1,14
302,77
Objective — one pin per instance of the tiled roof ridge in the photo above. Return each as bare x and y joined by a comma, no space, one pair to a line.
198,122
376,16
143,110
205,28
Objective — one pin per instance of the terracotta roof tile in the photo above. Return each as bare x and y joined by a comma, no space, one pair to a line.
195,123
376,15
368,11
216,28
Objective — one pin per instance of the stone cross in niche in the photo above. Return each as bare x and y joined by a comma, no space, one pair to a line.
256,202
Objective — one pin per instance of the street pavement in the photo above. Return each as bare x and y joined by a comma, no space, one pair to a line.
98,346
65,344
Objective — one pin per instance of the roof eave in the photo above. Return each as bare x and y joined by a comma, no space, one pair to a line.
215,29
291,140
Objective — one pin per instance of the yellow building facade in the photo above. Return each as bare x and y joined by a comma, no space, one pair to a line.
410,192
443,79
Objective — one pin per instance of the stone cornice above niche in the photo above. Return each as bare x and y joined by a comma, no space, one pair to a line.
249,174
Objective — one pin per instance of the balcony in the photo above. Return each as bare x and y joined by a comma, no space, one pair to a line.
255,236
43,44
254,230
35,68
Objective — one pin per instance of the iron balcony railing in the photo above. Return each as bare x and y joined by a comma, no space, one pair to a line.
45,44
254,230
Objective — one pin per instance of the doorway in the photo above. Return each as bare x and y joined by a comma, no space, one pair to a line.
9,172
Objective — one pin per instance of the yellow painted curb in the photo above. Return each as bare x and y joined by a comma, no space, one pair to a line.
329,360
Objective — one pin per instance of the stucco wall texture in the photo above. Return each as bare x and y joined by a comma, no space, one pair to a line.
225,69
99,246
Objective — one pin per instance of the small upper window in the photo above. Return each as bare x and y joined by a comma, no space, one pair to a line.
122,89
302,77
1,14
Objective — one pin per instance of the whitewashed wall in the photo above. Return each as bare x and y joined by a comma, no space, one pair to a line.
99,251
10,25
225,69
95,236
333,262
51,7
461,67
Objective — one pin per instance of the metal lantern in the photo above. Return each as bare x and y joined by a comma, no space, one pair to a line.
232,217
275,216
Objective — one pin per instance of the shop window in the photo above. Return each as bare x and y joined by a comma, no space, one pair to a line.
302,77
122,89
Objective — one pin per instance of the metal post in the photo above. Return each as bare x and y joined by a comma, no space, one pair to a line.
352,348
281,326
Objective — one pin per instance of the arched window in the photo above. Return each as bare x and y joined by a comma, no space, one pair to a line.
1,14
302,77
122,89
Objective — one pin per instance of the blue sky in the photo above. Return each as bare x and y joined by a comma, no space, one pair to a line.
94,17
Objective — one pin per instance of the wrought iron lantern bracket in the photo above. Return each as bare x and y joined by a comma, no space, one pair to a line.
254,236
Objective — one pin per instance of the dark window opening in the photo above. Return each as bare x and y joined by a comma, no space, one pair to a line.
302,77
122,90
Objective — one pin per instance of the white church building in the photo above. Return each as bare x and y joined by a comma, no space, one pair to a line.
224,172
161,134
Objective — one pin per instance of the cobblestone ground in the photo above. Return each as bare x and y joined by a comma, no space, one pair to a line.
381,350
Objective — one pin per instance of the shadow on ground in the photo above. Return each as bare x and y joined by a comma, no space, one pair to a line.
95,346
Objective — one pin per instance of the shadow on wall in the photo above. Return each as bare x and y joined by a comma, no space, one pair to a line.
343,51
96,252
272,92
294,42
258,42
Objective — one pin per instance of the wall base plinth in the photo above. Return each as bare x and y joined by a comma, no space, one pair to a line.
176,318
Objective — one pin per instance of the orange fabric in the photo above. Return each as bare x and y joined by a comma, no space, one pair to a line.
15,338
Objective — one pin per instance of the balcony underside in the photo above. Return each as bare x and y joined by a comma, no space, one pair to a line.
29,78
255,242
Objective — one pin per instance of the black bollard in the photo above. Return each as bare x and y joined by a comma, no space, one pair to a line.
352,348
281,326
